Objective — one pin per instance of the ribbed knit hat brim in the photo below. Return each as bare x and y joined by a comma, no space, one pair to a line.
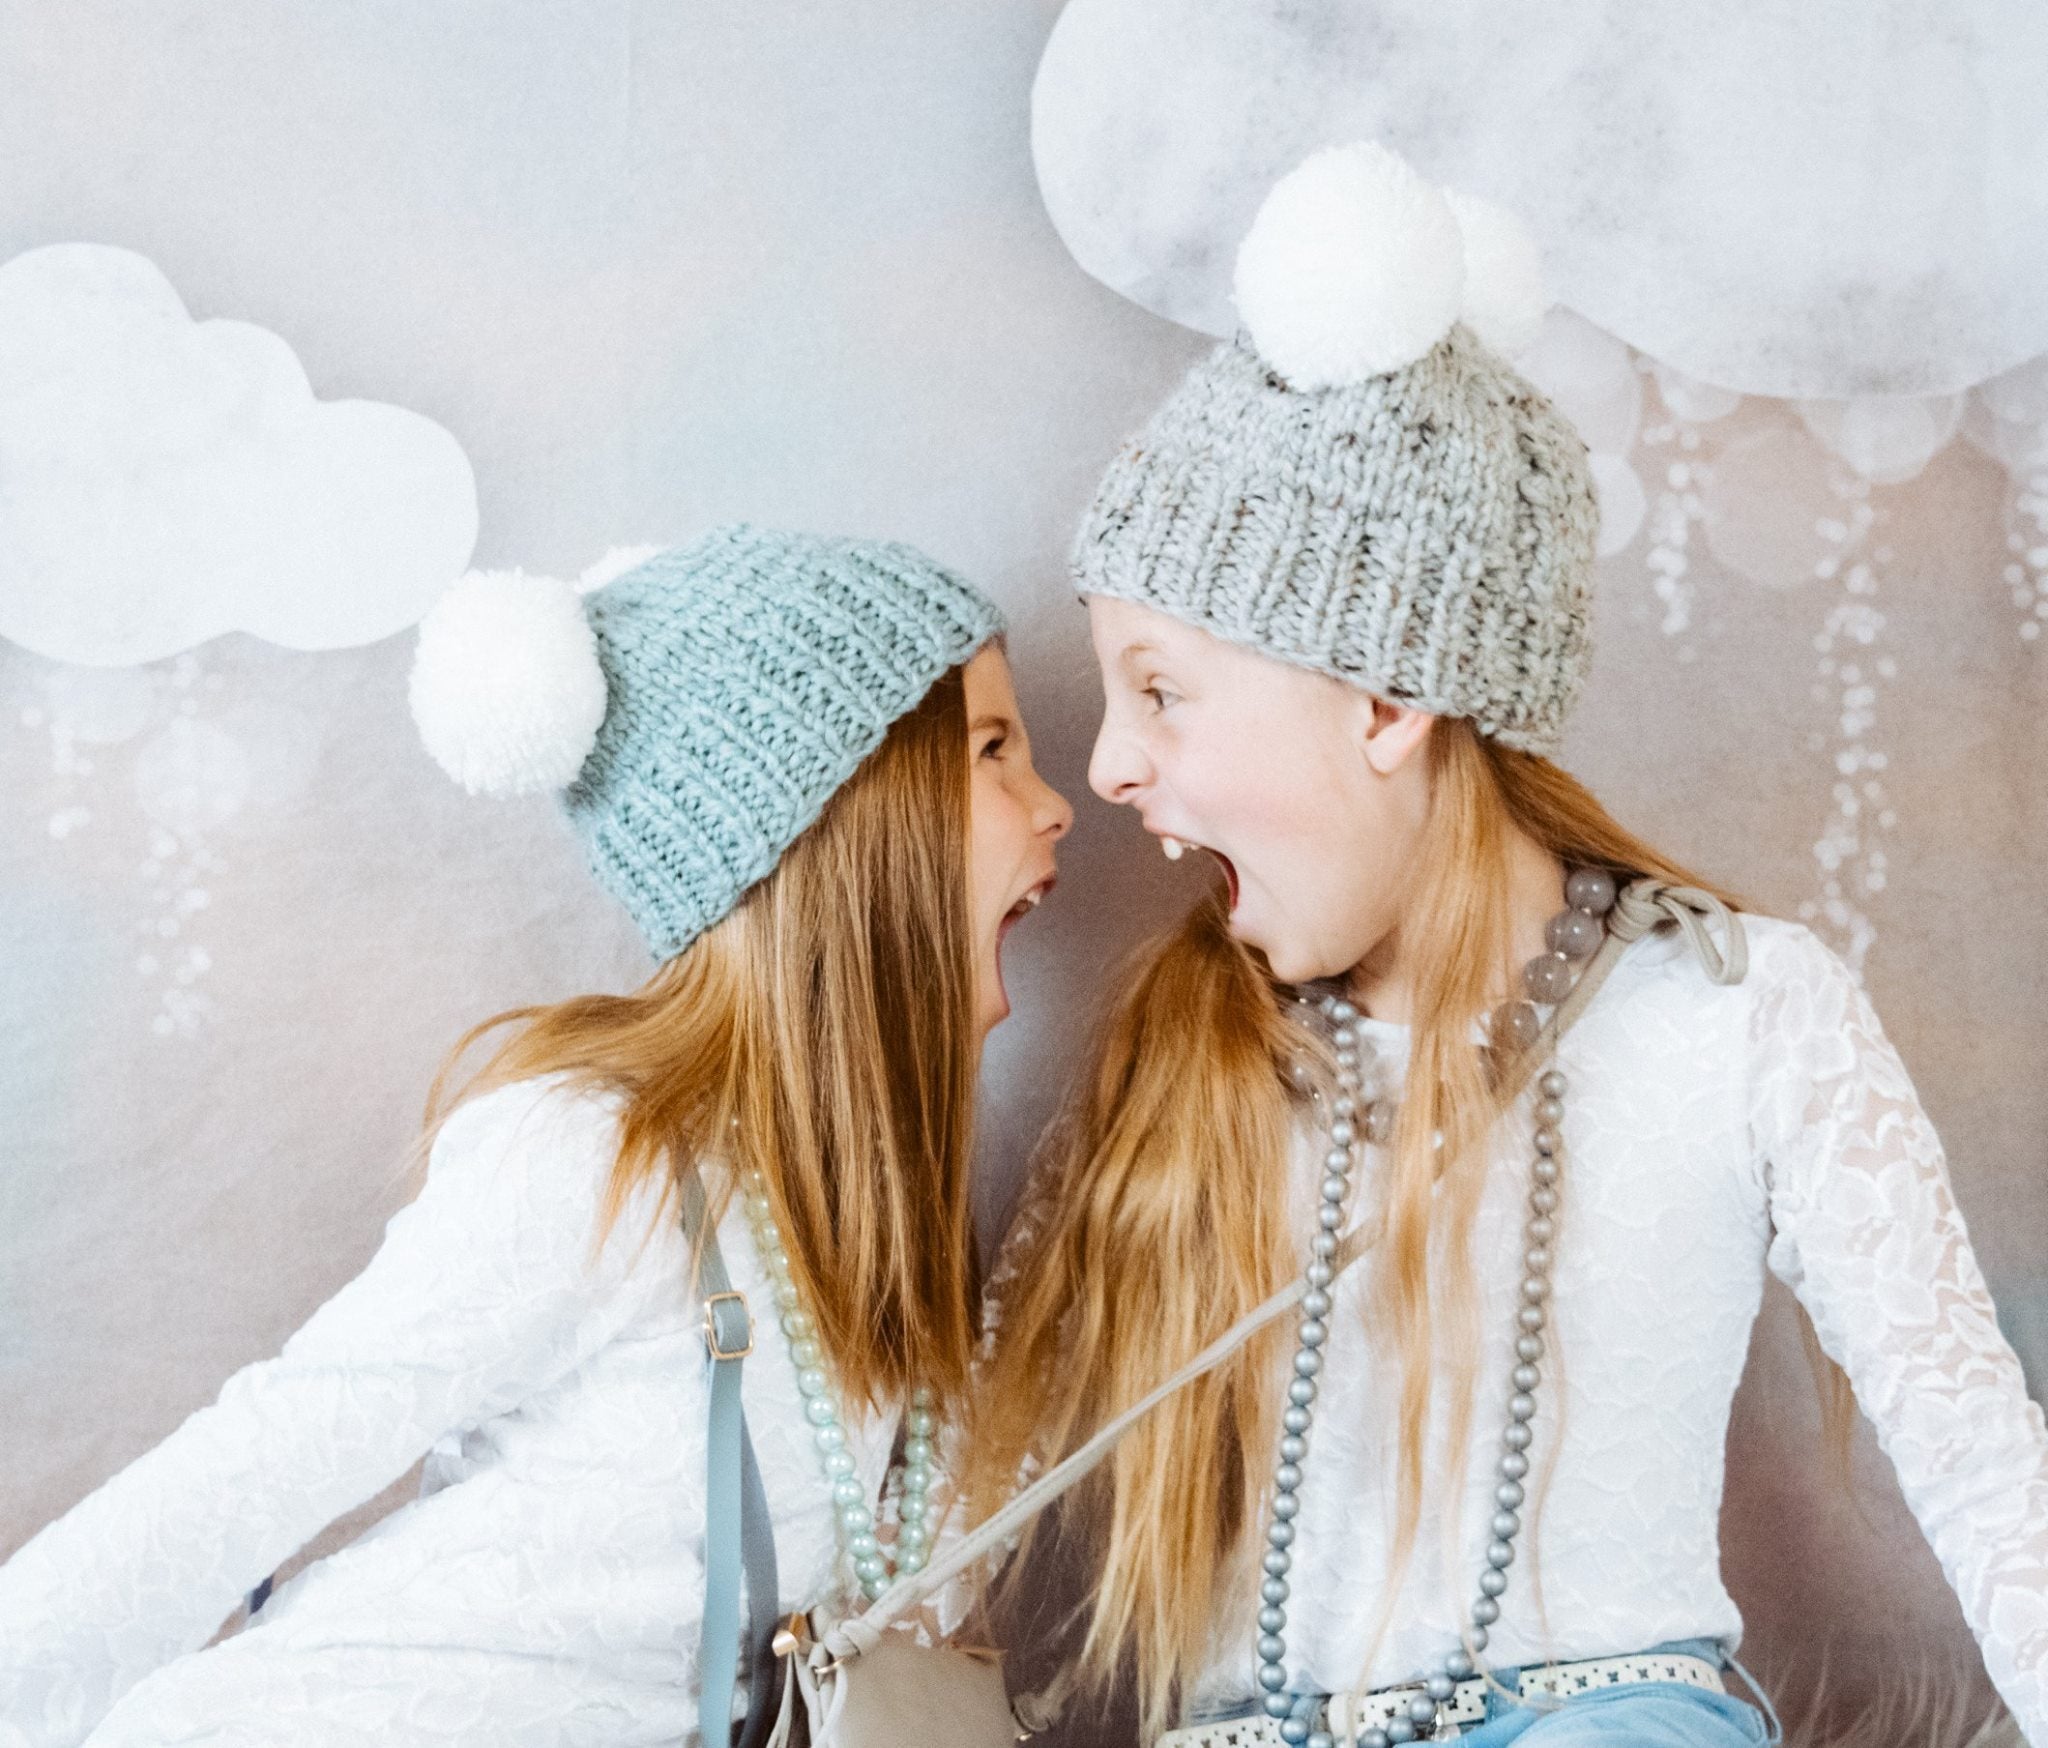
1427,535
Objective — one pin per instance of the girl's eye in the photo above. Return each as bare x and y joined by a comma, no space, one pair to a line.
1159,696
995,747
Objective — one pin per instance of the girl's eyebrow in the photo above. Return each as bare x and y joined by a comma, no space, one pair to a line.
1129,654
981,722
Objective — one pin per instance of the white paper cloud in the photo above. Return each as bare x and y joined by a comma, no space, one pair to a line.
163,480
1826,200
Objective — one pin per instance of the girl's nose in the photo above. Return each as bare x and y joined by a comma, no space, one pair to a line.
1055,812
1116,770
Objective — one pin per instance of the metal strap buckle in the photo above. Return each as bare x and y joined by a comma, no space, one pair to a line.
711,1341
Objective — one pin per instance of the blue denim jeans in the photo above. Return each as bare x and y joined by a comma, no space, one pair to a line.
1646,1714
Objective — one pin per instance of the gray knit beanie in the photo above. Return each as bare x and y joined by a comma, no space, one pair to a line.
697,711
1361,485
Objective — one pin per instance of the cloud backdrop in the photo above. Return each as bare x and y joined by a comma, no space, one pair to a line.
163,481
1843,197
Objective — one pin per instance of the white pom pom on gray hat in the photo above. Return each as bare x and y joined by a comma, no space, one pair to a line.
1354,267
1360,484
506,687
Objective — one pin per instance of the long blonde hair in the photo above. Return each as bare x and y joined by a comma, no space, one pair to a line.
1168,1220
823,1033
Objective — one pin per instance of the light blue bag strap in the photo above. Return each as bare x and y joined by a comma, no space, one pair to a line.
757,1550
737,1528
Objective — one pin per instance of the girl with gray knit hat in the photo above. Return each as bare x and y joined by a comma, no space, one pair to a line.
799,765
1562,1099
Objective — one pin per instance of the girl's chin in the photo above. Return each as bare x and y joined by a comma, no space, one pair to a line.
1284,968
1289,962
1245,926
993,994
1273,952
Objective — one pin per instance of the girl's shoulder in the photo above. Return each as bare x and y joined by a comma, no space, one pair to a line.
560,1123
1781,950
1793,985
1779,953
1798,984
534,1160
1799,1015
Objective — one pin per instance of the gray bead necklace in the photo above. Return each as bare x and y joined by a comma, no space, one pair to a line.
1573,936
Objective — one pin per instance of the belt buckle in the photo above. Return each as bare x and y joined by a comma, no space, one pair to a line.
711,1302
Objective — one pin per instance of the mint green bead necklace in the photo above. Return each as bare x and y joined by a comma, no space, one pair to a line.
873,1565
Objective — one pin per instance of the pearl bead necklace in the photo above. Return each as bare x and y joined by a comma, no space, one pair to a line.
1572,936
872,1564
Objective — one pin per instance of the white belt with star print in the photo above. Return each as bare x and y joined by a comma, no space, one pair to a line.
1346,1715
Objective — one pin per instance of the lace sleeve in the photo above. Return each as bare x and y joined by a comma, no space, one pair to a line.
1869,1237
481,1292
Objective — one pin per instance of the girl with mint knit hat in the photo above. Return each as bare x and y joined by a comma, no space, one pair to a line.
1562,1100
799,765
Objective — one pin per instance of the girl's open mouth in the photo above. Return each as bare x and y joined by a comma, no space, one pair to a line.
1229,874
1176,848
1180,846
1024,907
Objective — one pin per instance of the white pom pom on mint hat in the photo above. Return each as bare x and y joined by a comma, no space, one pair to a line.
507,690
1504,301
1354,267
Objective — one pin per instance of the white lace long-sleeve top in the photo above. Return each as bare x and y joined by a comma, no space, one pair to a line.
1710,1132
546,1588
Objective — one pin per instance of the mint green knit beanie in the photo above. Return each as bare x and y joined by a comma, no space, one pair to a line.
697,711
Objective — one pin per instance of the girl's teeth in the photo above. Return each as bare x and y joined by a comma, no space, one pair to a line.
1173,847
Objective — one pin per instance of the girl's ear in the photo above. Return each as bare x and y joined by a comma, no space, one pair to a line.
1391,733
